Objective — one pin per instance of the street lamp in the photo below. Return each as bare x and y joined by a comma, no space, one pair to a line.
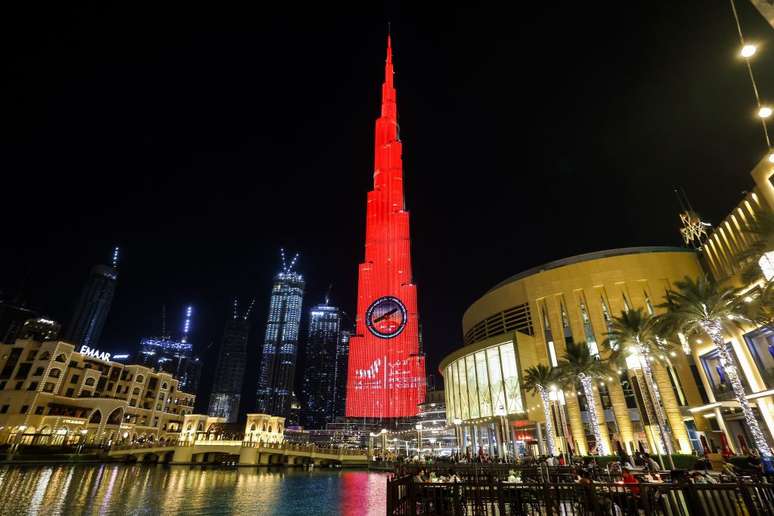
636,361
418,426
748,51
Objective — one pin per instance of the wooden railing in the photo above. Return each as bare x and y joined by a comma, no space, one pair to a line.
407,497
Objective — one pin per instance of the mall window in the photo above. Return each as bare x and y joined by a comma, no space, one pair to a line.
39,411
48,387
676,386
69,392
716,375
89,382
32,386
25,409
761,345
4,409
54,373
31,355
39,371
549,336
628,390
75,378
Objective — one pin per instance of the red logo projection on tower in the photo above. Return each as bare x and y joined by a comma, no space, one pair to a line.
386,376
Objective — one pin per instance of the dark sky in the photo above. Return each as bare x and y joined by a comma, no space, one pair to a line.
202,139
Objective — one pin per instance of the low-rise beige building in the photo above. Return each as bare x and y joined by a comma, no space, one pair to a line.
51,394
259,428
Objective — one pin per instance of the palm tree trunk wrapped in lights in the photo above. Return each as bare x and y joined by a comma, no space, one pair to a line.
715,332
550,441
704,307
655,395
578,364
536,380
588,390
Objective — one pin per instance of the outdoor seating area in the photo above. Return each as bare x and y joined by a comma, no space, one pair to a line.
502,489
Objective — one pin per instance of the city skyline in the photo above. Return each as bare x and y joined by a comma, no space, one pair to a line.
457,92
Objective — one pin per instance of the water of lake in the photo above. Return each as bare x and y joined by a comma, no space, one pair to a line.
138,489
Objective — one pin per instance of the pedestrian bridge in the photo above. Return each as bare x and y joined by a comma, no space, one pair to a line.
244,453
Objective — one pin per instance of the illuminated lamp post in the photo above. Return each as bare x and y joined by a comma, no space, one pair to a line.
418,427
371,436
383,433
636,360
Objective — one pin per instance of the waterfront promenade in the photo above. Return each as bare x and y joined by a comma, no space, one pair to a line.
510,489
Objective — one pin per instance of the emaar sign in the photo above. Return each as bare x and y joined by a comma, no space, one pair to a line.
95,353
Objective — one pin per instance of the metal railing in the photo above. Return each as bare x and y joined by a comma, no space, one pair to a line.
405,496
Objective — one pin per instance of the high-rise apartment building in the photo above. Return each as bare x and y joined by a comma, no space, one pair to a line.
175,356
94,304
280,347
319,379
340,377
230,370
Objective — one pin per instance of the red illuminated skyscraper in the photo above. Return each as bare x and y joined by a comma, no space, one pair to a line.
386,374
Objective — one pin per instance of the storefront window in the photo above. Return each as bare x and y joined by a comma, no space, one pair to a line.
761,345
717,375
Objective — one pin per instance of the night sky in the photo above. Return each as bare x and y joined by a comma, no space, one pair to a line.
201,140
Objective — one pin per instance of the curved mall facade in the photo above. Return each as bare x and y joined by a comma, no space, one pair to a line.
528,319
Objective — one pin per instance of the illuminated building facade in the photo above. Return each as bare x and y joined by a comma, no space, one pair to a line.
175,356
319,380
230,370
280,347
751,347
94,304
528,320
51,394
386,372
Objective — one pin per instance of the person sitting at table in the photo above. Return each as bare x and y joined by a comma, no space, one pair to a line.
651,464
584,478
512,477
452,477
628,478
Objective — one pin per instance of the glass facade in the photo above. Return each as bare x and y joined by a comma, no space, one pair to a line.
483,383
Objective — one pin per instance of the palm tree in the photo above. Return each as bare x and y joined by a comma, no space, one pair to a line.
704,307
761,233
537,380
633,336
578,364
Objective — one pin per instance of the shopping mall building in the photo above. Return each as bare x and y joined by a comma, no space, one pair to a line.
50,394
529,318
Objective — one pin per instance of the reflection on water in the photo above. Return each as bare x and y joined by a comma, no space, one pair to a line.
119,489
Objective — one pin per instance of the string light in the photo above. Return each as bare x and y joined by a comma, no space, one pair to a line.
747,51
549,425
588,390
715,332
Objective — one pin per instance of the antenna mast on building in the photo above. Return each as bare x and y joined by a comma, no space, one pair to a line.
187,323
249,309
